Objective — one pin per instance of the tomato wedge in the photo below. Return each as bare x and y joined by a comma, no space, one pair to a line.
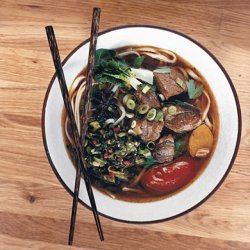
165,178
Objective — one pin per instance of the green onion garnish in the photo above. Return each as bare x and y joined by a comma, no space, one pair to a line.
151,114
143,109
172,110
159,116
130,104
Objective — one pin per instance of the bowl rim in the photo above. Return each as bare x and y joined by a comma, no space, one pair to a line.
235,98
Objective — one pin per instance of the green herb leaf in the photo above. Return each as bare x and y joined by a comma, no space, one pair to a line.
149,161
101,78
103,54
163,70
111,69
138,61
180,146
193,90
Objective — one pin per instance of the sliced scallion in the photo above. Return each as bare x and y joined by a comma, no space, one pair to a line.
143,109
97,162
139,161
122,134
130,104
151,114
126,98
145,89
159,116
172,110
95,125
150,145
145,152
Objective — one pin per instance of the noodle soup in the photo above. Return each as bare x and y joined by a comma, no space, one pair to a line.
153,127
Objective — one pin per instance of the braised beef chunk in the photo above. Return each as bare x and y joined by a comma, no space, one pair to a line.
164,149
170,84
150,98
148,130
150,63
181,118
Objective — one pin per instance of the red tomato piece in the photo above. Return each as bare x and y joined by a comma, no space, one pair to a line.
165,178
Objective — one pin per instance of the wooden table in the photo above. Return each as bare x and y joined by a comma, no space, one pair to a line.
34,207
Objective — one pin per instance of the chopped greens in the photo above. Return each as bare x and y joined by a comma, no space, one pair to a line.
138,61
103,55
149,161
180,146
111,69
193,90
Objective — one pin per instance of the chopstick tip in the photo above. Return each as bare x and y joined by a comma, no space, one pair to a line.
48,27
96,9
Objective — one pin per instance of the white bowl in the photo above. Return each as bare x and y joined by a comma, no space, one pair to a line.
229,130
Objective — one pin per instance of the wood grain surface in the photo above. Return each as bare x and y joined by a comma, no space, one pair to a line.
34,207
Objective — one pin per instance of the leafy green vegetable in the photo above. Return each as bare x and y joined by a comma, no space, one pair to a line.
103,54
180,146
193,90
138,61
163,70
110,69
149,161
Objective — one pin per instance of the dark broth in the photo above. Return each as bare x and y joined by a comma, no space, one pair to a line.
203,162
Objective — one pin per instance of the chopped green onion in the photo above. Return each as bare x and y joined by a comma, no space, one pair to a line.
122,134
151,114
181,83
130,104
145,89
150,145
130,147
115,88
97,162
133,124
145,152
139,161
172,110
95,125
143,109
118,174
137,143
159,116
123,152
126,98
108,178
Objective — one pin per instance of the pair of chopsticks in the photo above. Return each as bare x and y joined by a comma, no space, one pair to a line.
78,139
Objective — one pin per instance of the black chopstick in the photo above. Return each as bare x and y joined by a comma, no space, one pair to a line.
85,113
79,148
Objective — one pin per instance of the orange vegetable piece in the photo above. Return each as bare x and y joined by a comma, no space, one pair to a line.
200,142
